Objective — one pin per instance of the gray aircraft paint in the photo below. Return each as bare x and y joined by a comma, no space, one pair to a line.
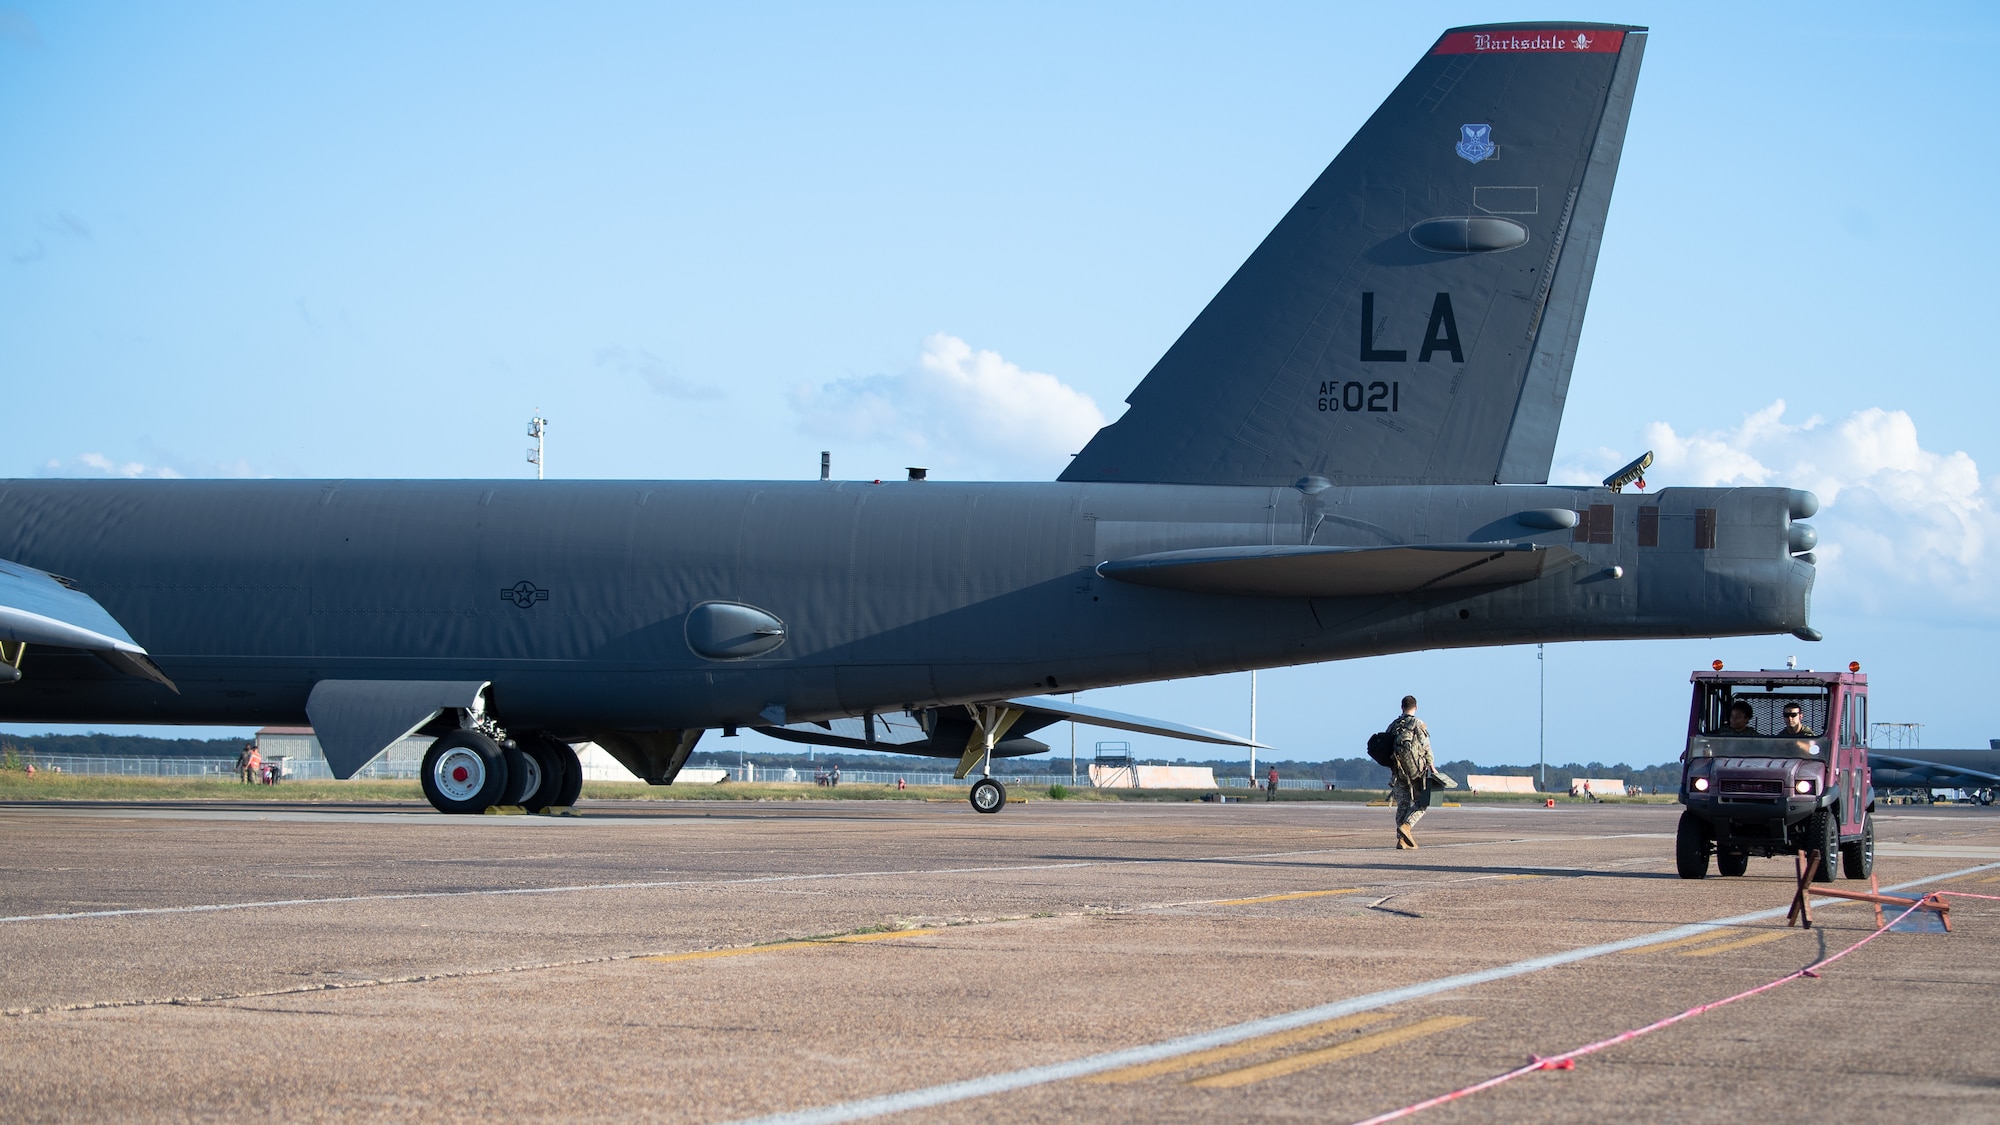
640,613
1934,769
1346,291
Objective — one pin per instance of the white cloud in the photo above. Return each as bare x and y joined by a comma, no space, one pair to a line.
98,465
658,373
965,411
1900,526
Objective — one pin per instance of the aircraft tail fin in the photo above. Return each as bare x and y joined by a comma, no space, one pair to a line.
1413,318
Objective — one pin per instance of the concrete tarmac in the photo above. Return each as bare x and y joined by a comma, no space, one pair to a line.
907,962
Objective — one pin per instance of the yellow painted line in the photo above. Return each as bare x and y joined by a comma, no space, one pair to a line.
1306,1060
1725,947
1712,935
777,946
1282,898
1994,879
885,935
1238,1050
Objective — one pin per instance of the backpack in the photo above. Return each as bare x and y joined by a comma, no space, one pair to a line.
1382,748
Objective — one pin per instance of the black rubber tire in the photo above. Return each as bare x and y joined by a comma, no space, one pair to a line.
987,796
548,773
464,772
1691,846
1824,834
1857,859
568,776
524,775
1731,861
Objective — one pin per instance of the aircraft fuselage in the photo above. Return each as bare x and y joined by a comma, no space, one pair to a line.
572,598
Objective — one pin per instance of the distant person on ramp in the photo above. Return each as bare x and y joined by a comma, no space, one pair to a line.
1271,785
1410,773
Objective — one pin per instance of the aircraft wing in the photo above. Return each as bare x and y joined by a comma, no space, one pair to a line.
1939,772
1335,572
947,732
39,608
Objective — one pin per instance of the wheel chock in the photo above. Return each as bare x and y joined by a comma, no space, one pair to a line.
558,810
503,810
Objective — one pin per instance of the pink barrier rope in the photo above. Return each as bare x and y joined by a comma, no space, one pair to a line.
1567,1060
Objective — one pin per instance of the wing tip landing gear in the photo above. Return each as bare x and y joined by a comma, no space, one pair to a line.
987,796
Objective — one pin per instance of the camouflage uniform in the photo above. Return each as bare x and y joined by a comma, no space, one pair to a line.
1409,778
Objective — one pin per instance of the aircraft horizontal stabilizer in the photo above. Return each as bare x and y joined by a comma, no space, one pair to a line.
38,608
1119,720
1339,572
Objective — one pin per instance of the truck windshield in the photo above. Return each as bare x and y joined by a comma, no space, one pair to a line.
1718,746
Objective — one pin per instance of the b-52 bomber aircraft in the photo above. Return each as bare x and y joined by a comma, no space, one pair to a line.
1345,454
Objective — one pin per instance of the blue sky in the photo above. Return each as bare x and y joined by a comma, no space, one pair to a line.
370,240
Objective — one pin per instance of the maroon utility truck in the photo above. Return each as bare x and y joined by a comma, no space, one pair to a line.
1753,786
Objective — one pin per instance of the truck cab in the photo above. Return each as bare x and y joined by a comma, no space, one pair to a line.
1753,785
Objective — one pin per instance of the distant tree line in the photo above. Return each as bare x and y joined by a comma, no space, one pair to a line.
124,745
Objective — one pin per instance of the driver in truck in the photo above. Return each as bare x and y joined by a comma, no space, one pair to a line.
1739,718
1795,726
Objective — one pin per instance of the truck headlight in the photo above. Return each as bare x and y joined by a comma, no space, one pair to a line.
1803,786
1701,785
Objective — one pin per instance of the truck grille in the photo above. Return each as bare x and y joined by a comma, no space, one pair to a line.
1749,785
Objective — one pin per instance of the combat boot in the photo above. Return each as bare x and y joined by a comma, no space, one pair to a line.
1403,838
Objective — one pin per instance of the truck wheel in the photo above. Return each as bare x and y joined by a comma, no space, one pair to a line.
1691,847
1824,834
1857,860
1731,861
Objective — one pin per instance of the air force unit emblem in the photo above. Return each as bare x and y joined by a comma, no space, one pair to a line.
1475,142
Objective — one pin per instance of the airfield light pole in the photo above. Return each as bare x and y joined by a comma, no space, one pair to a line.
537,426
1253,728
1542,662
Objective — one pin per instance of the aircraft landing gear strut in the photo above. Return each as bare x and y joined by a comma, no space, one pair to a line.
990,721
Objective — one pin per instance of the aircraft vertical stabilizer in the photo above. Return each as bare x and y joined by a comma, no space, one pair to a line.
1413,318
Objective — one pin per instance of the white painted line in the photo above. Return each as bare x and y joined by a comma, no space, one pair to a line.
1937,851
1223,1036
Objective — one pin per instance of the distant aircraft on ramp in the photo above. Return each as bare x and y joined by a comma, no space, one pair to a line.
1344,455
1935,769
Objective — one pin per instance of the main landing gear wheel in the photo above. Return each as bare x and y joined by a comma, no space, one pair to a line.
548,773
464,772
988,796
1691,847
524,775
1857,859
1732,861
562,774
